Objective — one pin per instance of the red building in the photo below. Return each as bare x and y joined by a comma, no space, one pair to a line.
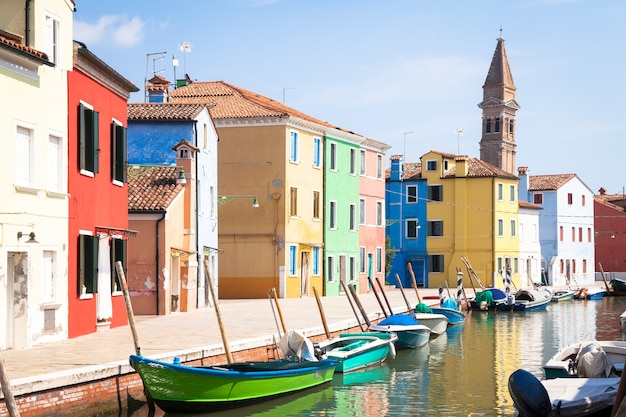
98,219
610,234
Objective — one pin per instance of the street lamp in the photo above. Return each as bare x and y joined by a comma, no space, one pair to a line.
225,199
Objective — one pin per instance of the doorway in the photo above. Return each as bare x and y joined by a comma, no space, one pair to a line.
17,300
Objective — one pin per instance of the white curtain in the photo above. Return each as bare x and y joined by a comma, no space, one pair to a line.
104,307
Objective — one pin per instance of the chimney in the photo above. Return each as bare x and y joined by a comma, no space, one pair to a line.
397,168
461,166
158,89
522,189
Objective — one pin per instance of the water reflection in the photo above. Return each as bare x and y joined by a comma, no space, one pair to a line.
462,372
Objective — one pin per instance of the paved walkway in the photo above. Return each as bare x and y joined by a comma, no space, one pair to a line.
248,323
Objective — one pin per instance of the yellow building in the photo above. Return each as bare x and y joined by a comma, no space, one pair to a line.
472,212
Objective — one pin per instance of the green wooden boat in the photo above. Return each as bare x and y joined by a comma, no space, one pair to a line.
178,388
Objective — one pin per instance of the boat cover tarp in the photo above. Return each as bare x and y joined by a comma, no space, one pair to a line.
295,344
581,396
423,308
399,320
592,362
450,303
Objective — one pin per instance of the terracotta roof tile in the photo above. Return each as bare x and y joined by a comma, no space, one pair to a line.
21,47
548,182
235,102
152,188
478,168
526,204
164,111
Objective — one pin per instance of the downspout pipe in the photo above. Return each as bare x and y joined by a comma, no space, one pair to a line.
158,259
27,23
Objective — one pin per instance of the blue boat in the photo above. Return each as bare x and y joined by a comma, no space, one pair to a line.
590,294
527,300
488,299
451,310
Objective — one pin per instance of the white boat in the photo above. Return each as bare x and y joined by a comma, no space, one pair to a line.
596,359
437,323
564,397
622,320
410,333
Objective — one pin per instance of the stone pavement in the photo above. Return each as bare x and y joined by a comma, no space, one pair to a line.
248,323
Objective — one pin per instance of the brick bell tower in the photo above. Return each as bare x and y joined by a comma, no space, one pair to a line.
497,144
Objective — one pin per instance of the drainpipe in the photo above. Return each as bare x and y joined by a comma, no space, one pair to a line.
200,267
27,23
158,223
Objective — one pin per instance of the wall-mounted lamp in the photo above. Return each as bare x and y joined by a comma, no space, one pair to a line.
225,199
31,236
601,232
181,177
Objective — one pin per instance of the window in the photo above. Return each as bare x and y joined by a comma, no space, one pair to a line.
352,217
497,125
570,198
538,198
88,138
511,193
513,229
55,162
515,265
379,166
561,266
24,156
352,268
362,259
352,161
584,266
293,198
49,276
379,213
500,192
87,264
500,227
521,232
499,265
333,156
316,204
317,152
361,211
561,233
582,200
411,228
580,234
205,136
434,228
589,234
573,234
51,38
331,269
293,147
411,194
573,266
431,165
434,192
435,263
363,162
293,259
118,253
379,260
333,215
118,152
488,126
316,261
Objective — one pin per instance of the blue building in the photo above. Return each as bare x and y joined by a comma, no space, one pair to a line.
405,206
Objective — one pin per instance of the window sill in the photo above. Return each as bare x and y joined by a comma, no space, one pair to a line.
49,306
26,190
86,296
56,194
87,173
116,293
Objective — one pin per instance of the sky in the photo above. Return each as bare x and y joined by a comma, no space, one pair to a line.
408,73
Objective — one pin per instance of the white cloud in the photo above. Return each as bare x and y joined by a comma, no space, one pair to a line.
116,28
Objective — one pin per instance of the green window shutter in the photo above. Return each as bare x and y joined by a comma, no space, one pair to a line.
118,253
96,147
88,264
118,152
113,151
82,138
123,154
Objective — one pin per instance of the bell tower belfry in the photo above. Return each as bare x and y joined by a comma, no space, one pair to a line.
497,143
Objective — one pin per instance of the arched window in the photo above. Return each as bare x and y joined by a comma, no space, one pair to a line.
497,127
511,122
488,126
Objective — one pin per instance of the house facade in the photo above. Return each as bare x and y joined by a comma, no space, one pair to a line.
529,245
472,212
405,205
98,225
274,155
566,226
35,58
609,235
154,129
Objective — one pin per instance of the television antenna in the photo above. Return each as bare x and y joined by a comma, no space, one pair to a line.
185,47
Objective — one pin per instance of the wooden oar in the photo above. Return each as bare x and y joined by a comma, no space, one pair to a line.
274,297
358,303
129,307
382,291
410,268
380,303
321,309
7,391
207,275
358,320
408,306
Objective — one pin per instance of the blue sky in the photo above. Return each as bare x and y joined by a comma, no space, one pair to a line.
383,68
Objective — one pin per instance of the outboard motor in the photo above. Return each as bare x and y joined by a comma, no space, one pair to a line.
318,351
529,395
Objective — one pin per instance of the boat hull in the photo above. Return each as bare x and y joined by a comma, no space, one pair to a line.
454,316
563,295
180,388
437,323
354,352
408,336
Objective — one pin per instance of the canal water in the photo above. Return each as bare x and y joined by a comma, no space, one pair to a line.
463,372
